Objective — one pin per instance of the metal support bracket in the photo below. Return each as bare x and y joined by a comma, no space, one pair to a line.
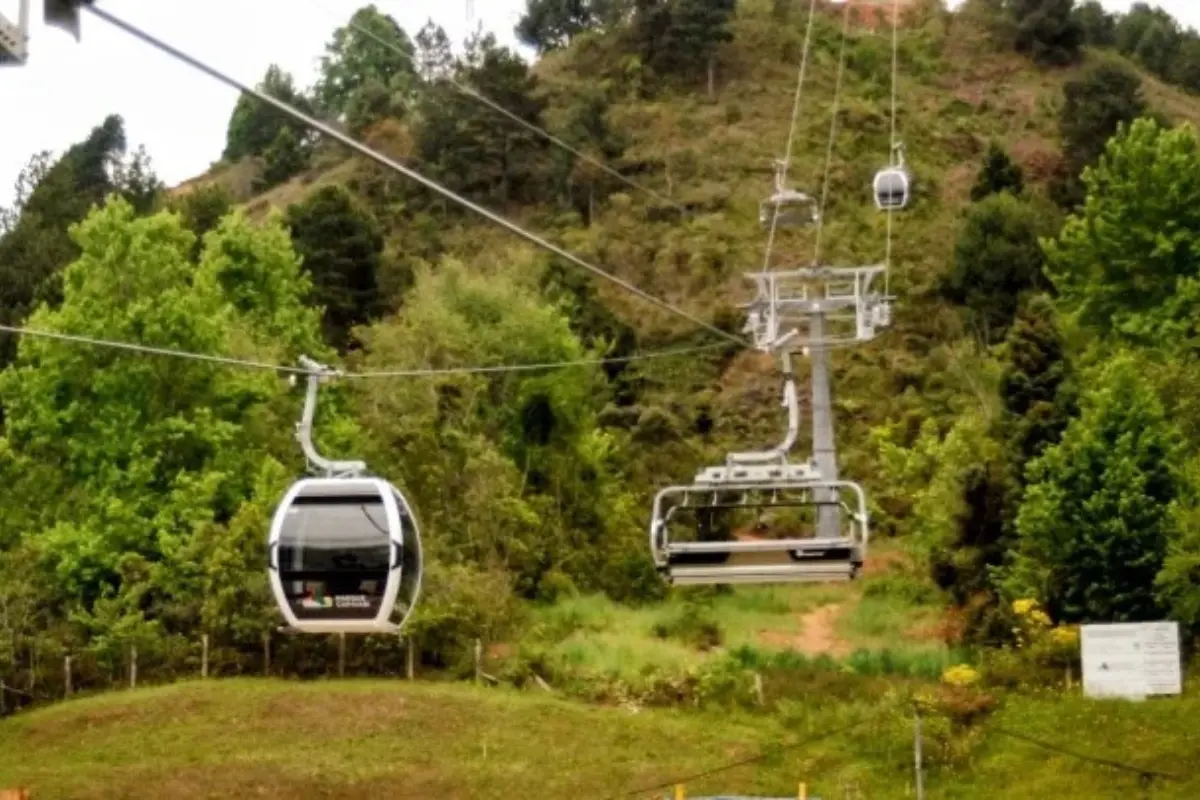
777,454
317,462
14,38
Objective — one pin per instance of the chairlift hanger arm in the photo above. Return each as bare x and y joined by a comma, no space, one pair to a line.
792,403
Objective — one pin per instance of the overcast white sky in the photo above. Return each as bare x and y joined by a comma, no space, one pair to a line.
179,114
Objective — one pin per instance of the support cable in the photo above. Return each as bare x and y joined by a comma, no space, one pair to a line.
765,754
787,153
492,104
837,98
385,161
887,260
145,349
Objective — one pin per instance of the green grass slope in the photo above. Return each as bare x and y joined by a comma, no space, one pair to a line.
352,739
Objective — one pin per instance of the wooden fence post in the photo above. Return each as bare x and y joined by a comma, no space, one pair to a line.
410,657
478,659
267,654
133,666
342,654
67,676
204,655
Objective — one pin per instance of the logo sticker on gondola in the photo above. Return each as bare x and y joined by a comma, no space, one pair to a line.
351,601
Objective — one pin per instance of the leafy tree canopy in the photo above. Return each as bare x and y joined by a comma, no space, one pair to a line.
341,245
124,458
254,126
998,174
1128,263
998,258
362,58
1095,105
1098,512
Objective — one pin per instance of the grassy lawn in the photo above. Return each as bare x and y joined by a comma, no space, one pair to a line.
363,739
267,738
860,621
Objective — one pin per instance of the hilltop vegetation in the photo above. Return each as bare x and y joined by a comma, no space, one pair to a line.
1025,431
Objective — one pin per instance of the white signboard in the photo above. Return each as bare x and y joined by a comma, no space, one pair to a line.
1131,659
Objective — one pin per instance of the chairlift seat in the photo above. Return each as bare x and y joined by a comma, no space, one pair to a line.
790,560
767,561
794,209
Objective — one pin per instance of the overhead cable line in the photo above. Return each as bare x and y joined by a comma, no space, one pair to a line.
426,372
492,104
244,363
837,99
1142,772
765,754
887,260
787,153
385,161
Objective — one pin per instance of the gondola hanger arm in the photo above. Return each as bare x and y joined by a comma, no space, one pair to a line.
316,461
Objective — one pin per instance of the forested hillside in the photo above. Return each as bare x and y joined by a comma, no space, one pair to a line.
1026,431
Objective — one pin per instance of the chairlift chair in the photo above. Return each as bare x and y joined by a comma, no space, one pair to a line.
344,548
757,480
759,561
786,207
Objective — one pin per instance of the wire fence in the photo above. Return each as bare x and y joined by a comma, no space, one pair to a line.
50,671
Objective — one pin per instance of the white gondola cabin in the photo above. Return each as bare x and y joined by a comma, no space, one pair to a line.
893,188
345,556
344,549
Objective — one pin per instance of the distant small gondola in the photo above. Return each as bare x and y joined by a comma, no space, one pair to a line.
893,184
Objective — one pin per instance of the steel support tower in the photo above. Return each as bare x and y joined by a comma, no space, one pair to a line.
814,310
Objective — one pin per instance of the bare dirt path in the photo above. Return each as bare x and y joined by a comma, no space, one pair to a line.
817,634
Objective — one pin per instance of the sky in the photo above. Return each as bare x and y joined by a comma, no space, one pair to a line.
179,114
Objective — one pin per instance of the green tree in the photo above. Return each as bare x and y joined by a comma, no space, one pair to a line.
1099,27
1185,69
1150,36
341,245
1034,386
50,197
1047,30
1127,264
254,126
1131,26
286,157
552,24
1098,514
435,57
202,210
588,130
471,148
999,173
131,454
369,64
1095,106
681,37
509,469
997,259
